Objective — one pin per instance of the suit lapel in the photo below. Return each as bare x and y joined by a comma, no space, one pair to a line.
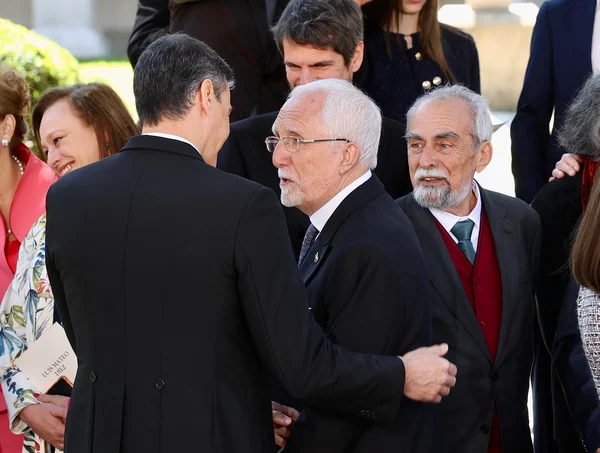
319,250
505,245
443,274
259,13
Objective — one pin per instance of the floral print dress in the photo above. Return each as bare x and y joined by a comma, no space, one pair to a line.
27,311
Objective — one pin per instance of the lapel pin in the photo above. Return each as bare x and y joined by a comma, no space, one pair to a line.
316,257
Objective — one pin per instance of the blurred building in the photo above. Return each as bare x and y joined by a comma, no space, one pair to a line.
100,28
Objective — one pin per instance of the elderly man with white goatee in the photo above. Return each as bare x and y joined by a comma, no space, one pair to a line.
364,272
482,251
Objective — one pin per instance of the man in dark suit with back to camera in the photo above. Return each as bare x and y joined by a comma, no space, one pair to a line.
178,290
318,40
482,252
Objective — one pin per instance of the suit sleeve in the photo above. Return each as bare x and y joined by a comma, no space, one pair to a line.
288,339
475,75
230,157
60,302
574,372
151,22
374,314
530,130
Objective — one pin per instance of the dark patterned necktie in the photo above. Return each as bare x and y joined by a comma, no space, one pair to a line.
462,231
309,239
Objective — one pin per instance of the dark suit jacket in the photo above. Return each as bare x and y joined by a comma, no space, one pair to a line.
573,370
368,289
466,414
151,22
238,30
559,207
177,303
559,64
244,154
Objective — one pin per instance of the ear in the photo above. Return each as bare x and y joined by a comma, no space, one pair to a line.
206,96
8,127
485,156
350,157
357,58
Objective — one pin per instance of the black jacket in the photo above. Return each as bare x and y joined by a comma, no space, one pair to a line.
573,392
177,304
559,64
367,286
245,154
481,383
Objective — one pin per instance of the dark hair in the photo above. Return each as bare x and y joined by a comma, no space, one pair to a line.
98,106
14,100
580,132
585,255
387,13
169,73
322,24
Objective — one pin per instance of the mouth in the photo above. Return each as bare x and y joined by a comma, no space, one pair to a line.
285,181
66,169
432,181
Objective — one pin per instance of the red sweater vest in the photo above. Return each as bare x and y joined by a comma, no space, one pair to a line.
483,285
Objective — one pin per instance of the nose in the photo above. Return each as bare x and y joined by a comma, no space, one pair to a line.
428,157
281,157
307,76
53,158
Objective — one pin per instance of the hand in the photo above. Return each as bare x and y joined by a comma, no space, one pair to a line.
47,420
428,376
363,2
568,164
283,418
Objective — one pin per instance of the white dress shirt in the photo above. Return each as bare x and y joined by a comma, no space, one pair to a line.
320,218
172,137
596,41
448,220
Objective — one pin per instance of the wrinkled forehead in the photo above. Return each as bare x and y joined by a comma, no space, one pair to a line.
302,115
441,116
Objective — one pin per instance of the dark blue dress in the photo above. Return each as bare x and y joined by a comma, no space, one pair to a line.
395,83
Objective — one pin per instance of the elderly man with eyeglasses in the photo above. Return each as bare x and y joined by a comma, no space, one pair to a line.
360,260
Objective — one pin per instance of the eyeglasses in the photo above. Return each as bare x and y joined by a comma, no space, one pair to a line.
292,144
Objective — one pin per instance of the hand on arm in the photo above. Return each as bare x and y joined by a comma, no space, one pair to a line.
429,376
567,165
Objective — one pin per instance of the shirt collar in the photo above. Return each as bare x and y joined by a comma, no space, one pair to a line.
320,218
172,137
448,220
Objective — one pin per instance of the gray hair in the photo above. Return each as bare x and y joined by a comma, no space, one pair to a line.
168,76
348,113
481,129
321,24
580,132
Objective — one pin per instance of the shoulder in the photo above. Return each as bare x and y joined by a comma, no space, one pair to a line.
558,194
255,124
523,214
391,126
455,37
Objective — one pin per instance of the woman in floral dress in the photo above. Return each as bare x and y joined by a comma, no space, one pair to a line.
74,126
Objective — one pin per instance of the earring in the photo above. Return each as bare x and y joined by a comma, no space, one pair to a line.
5,142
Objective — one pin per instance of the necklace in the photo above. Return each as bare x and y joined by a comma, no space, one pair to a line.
16,159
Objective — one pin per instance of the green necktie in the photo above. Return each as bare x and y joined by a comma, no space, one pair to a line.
462,231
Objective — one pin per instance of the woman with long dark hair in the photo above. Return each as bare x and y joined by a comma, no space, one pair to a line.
408,52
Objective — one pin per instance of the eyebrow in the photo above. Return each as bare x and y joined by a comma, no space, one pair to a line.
442,135
318,63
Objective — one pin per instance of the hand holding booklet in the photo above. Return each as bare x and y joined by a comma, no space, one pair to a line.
50,362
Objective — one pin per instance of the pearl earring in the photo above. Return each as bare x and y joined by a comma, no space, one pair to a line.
5,142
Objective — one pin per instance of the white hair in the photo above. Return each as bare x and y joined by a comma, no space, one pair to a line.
348,113
481,128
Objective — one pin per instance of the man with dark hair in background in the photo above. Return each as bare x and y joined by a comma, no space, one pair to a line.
318,40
